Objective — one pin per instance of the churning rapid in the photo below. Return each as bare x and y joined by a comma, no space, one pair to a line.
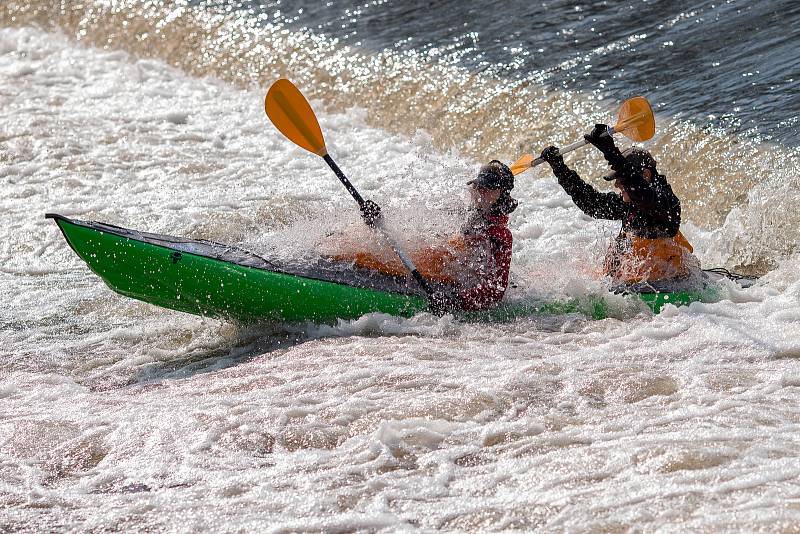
115,414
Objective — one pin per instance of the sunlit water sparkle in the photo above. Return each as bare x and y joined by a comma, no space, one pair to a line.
115,414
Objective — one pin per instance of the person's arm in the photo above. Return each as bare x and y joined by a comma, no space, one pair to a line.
491,289
590,201
605,144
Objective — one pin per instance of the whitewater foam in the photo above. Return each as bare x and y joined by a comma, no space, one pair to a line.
115,414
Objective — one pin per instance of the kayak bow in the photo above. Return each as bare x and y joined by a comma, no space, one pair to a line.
210,279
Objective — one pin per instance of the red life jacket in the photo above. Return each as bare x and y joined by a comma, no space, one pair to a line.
490,279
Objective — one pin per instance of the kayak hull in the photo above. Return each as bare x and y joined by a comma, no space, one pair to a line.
200,285
213,280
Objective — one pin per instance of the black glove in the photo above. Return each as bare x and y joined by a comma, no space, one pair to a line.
371,212
442,302
599,137
552,156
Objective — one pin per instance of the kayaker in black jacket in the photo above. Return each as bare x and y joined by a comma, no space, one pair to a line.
649,247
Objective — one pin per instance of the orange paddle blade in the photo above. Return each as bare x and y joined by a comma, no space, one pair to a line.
636,120
522,164
291,113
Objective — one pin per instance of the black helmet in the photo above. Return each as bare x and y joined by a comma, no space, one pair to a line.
640,158
494,175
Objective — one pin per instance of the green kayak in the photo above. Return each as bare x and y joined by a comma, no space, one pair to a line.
209,279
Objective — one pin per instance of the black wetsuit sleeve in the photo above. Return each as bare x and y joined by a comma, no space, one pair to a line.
590,201
617,161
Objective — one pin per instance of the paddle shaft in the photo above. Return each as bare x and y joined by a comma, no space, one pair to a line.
407,262
292,115
574,146
345,182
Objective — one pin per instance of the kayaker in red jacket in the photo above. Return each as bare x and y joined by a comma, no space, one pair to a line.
472,268
487,239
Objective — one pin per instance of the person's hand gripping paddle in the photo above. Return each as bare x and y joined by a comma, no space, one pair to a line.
635,121
292,115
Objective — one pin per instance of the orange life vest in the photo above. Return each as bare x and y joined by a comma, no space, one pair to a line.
433,263
475,264
633,259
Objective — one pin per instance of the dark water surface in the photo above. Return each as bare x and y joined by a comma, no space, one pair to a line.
730,64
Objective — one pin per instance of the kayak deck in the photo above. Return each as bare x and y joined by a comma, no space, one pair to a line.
210,279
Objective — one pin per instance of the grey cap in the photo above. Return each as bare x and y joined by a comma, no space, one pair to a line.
640,158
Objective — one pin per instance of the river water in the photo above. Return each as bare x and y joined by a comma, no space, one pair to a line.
116,415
